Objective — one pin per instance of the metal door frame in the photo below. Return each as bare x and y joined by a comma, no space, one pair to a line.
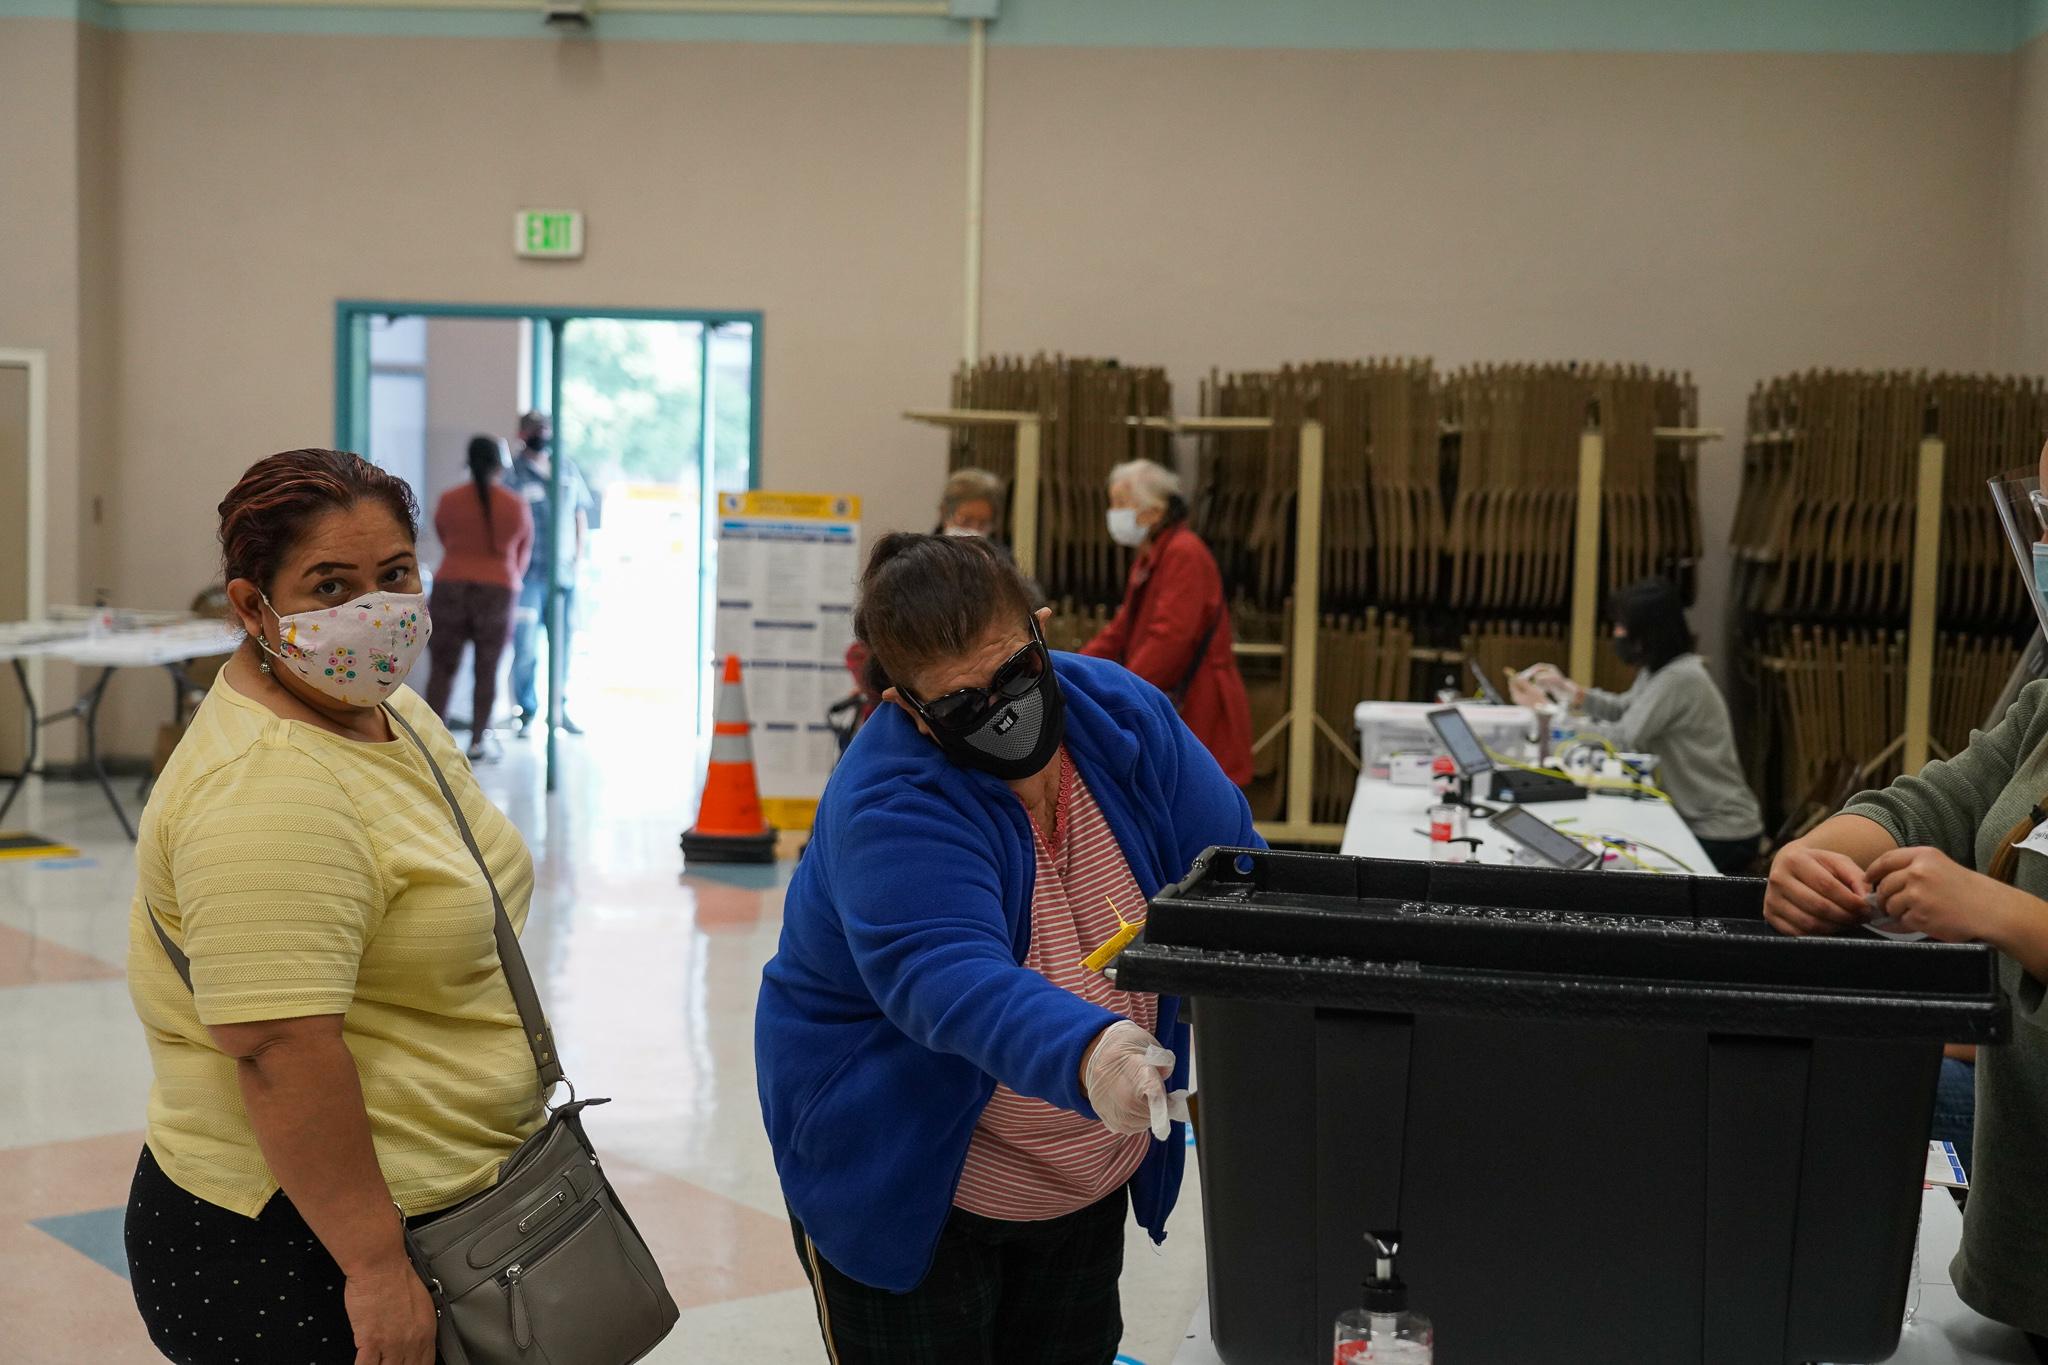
352,415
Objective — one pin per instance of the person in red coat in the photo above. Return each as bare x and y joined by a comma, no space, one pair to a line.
1173,627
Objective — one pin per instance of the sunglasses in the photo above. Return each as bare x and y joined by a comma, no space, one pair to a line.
962,710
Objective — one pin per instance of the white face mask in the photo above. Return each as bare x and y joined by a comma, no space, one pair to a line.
1124,528
963,531
357,653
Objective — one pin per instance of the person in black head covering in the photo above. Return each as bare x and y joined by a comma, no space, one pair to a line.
1673,710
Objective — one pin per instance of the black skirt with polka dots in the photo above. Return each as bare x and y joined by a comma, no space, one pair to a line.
216,1288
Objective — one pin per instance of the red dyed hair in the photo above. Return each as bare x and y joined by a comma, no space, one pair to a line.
266,512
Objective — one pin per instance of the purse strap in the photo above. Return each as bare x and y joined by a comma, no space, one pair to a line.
540,1039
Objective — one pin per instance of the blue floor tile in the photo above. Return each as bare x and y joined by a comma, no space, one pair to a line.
95,1235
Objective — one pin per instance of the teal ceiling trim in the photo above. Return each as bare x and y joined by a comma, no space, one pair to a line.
1970,26
1894,26
450,23
2033,20
47,9
1977,26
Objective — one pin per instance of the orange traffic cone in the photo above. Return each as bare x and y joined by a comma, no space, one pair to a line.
730,827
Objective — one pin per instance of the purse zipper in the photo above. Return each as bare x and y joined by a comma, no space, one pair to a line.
515,1274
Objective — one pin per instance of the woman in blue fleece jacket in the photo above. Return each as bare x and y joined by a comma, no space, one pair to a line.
960,1112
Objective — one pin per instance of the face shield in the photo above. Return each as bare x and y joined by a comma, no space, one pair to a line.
2023,512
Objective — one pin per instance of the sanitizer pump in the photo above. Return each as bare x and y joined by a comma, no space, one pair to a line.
1384,1331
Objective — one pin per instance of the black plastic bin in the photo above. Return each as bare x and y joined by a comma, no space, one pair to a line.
1616,1118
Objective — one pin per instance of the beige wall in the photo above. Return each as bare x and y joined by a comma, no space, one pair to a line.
55,159
39,270
261,178
368,168
1735,215
1738,216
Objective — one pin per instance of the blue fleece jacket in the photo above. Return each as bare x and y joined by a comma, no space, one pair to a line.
898,998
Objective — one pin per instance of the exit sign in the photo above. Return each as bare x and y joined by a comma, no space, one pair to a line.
550,234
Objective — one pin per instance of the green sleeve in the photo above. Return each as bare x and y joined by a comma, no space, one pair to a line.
1945,805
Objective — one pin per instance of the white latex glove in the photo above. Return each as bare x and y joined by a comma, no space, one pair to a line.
1126,1082
1523,692
1554,683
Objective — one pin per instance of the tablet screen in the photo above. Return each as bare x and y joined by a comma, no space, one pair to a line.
1455,733
1544,840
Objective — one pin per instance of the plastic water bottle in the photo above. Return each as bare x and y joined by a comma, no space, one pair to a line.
1384,1331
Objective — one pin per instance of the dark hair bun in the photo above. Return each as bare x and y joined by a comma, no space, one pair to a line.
926,599
271,505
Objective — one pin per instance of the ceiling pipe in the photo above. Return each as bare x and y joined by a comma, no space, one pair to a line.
977,108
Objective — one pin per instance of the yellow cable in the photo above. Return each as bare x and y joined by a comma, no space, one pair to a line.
1620,850
1676,861
1594,786
1605,743
1602,785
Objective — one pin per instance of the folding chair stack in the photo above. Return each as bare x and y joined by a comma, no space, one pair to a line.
1086,410
1511,450
1496,647
1380,557
1446,524
1823,551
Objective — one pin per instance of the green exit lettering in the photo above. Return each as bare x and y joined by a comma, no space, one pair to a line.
550,233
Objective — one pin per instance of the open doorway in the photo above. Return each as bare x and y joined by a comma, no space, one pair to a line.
652,414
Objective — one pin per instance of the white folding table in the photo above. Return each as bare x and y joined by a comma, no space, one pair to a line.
107,642
1387,821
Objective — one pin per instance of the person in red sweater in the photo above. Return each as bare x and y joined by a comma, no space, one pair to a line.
486,536
1173,627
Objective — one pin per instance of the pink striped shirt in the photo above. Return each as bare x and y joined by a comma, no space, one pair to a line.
1030,1160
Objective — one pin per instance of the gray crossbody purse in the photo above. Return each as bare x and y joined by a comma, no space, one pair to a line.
545,1267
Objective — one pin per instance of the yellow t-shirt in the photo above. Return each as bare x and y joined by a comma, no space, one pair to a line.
306,874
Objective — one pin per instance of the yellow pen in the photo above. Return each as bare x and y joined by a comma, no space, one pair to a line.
1121,940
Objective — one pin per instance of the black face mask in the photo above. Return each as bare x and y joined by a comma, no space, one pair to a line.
1014,734
1629,650
537,444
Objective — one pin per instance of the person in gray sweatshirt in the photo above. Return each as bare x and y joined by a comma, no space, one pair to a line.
1673,710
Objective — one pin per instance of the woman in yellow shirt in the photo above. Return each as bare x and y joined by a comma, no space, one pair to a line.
347,1041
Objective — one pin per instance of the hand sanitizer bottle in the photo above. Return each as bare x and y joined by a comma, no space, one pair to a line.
1384,1331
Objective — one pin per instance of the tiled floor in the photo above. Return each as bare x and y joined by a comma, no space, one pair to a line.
648,975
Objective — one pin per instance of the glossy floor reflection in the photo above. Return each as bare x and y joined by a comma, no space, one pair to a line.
650,979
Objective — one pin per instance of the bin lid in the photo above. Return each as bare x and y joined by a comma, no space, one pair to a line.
1685,953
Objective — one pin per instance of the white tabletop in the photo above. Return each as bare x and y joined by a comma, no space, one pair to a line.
1943,1332
96,645
156,645
1390,822
28,639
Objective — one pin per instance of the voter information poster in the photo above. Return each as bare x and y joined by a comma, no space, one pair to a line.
787,568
